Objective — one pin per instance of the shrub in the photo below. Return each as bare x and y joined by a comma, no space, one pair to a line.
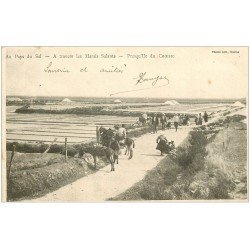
154,192
95,151
220,181
222,186
193,156
171,174
71,151
26,147
184,157
56,148
234,118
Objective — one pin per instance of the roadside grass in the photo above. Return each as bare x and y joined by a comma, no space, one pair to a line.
230,162
34,175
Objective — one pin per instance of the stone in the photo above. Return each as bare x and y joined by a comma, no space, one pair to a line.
236,181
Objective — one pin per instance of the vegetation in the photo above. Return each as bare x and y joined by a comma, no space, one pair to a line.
33,175
91,110
192,158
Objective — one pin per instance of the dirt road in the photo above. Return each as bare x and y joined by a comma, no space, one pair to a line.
105,184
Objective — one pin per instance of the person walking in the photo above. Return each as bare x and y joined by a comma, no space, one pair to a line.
168,122
163,121
199,119
205,117
145,117
176,120
155,123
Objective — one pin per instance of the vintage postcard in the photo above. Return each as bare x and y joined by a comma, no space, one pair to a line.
94,124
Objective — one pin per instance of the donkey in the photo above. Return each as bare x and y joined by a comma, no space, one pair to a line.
129,143
106,136
112,153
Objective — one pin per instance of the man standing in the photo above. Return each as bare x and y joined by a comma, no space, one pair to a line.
163,121
176,120
145,117
155,123
122,133
199,119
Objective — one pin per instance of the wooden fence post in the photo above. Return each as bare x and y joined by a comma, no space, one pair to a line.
66,150
97,135
11,159
8,171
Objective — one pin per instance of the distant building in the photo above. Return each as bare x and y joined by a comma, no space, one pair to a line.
117,101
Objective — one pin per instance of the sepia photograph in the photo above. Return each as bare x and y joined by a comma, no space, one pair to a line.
124,124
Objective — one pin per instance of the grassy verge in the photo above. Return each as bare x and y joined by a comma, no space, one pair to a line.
33,175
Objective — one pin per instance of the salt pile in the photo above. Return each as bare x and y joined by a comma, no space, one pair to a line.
171,102
238,104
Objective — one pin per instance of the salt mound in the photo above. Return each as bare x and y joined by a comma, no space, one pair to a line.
172,102
238,104
66,100
175,102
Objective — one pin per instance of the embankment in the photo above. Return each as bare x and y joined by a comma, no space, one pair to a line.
33,175
210,165
92,110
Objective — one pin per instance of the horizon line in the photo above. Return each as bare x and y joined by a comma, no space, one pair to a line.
131,97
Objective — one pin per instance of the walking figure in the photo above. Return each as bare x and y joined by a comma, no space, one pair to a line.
205,116
163,121
176,122
155,123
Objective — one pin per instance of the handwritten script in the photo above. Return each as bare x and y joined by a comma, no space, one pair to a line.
49,69
153,80
141,79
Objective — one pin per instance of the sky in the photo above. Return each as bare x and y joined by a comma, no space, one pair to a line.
186,72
